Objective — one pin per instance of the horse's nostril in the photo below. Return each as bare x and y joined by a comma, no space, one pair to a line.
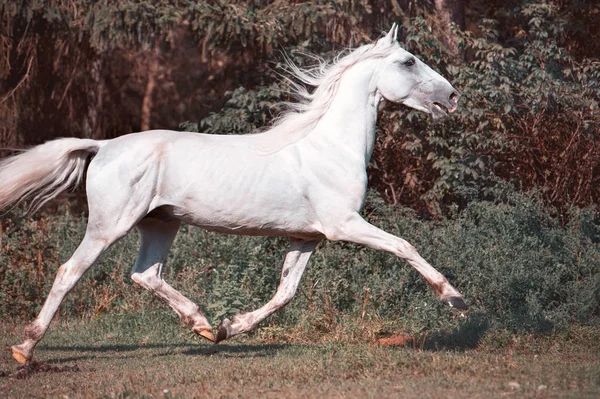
454,97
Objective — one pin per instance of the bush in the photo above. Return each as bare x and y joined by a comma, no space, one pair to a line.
518,267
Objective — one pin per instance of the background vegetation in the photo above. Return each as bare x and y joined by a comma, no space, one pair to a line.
528,71
501,196
520,269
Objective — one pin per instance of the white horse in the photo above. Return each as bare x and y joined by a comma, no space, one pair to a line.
304,178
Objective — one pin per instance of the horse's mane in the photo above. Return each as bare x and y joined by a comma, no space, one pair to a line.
302,116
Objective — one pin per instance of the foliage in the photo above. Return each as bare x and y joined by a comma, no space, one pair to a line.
529,115
245,110
529,78
518,267
81,68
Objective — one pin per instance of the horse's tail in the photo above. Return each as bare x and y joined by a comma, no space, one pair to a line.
45,171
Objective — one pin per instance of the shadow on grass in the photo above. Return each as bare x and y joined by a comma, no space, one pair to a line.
471,332
92,351
260,350
466,337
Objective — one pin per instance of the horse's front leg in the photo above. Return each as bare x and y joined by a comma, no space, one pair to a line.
293,267
355,229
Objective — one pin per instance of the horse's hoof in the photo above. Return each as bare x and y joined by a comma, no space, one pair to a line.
205,333
455,302
19,356
223,331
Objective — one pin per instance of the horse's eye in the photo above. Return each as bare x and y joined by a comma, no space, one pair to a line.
409,62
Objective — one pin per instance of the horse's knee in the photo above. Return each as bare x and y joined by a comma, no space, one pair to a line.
406,250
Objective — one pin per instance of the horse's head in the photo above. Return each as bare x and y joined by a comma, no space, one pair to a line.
403,78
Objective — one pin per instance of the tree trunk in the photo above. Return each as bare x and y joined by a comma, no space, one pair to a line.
449,11
95,91
150,84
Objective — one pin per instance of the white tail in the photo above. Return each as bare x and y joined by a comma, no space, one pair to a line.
44,171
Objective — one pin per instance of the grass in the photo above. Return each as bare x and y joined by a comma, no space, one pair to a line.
149,355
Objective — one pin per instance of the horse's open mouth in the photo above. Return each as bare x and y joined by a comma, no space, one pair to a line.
438,110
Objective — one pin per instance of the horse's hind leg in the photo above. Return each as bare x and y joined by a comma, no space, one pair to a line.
157,237
293,267
67,276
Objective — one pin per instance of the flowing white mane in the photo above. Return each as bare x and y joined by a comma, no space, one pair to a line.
325,77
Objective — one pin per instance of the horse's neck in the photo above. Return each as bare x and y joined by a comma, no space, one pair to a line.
352,115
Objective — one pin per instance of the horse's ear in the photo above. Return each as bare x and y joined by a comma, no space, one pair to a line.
390,37
393,33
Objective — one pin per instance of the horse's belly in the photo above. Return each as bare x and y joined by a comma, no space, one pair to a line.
251,209
269,222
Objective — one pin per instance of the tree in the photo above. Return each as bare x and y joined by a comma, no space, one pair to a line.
450,12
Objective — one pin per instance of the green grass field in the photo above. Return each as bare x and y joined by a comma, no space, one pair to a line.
132,355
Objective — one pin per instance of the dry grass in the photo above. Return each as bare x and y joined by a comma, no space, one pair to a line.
139,356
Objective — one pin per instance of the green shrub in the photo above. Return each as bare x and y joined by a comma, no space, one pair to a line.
518,267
